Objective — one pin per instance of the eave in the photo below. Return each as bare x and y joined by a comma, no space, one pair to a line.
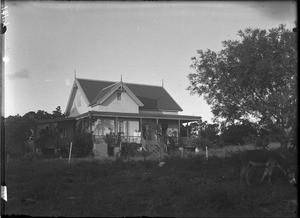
186,118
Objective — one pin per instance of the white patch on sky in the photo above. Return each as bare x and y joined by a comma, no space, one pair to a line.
20,74
67,82
6,59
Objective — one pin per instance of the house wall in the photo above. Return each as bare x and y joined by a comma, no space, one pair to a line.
125,105
79,106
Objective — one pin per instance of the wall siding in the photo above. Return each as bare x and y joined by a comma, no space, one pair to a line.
83,108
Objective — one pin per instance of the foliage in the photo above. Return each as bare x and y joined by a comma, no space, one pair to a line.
57,113
251,79
201,143
18,129
204,135
210,132
129,149
235,134
16,132
83,141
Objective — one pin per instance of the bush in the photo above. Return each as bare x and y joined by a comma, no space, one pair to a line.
237,133
83,145
129,149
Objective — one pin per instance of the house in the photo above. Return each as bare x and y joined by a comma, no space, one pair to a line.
117,107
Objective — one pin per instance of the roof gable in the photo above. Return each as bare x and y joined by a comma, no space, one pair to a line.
106,92
103,93
92,88
76,87
152,97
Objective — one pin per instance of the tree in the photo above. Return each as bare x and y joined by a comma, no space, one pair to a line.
18,129
42,115
15,135
253,79
83,141
57,113
240,133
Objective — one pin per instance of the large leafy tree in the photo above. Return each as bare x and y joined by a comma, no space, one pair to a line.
253,78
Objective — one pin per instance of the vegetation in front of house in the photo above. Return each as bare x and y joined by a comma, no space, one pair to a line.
83,141
183,187
17,130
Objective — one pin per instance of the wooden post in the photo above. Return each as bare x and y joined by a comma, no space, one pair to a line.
199,133
90,120
116,126
141,126
70,153
187,130
178,135
178,128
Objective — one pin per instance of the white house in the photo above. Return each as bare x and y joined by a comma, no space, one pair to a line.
106,106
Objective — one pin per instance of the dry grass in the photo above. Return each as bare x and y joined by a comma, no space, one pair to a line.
182,187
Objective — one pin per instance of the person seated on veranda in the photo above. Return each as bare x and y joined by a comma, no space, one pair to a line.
135,134
138,137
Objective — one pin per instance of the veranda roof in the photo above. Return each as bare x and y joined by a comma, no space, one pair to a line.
186,118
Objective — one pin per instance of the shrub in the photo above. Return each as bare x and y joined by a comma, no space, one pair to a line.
129,149
237,133
83,145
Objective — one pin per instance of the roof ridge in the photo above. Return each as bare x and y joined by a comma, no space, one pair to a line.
96,80
143,84
140,84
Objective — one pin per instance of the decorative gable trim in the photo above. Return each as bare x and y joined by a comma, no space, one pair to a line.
115,88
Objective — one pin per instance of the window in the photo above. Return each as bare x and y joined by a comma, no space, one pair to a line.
118,96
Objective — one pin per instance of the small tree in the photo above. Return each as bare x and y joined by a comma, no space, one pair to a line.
83,141
57,113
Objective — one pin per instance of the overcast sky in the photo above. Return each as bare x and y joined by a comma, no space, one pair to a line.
144,42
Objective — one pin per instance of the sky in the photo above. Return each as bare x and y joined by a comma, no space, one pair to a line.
145,42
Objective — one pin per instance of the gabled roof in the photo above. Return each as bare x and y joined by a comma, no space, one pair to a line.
152,97
106,92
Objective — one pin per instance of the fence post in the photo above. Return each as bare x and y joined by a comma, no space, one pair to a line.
70,153
206,152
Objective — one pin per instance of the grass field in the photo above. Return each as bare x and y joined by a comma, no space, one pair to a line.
182,187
